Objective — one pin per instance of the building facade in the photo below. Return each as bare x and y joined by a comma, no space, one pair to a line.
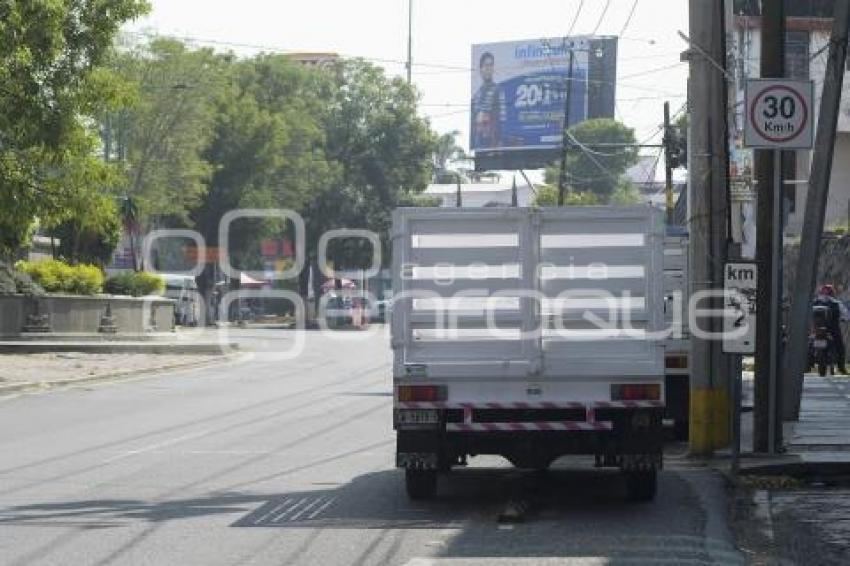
808,28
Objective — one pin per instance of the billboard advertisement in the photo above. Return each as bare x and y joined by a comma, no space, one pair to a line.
519,96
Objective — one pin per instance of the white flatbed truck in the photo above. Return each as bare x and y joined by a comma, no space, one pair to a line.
530,334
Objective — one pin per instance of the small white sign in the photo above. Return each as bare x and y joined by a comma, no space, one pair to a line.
740,281
778,114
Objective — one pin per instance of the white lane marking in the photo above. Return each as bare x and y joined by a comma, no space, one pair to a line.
318,511
306,509
272,512
285,512
158,445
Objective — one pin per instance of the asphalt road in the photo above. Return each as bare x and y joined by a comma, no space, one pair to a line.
272,461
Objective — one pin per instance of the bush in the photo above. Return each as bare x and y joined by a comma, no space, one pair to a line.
86,280
135,284
56,276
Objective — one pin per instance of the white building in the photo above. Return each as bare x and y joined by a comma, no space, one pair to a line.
808,28
497,193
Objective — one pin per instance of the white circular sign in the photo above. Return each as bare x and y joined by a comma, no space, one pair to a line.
779,114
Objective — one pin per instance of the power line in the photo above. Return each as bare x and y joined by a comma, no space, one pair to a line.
601,16
655,70
629,18
587,151
575,18
270,48
283,50
465,104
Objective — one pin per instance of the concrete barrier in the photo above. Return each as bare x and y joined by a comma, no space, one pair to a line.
76,314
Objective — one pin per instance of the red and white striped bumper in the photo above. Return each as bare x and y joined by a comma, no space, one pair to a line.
542,405
523,427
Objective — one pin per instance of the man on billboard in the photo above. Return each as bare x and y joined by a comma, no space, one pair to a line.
489,108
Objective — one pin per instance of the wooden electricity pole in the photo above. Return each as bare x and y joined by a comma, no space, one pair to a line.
708,166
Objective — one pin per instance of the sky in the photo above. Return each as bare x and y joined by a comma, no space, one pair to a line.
648,72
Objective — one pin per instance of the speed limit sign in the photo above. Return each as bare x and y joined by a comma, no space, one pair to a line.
778,114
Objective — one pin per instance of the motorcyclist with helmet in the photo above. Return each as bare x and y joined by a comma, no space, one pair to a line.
838,312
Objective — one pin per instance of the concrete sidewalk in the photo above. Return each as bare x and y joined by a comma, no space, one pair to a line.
817,444
822,435
39,362
41,371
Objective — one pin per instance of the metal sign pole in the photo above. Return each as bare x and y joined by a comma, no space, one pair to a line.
736,413
775,292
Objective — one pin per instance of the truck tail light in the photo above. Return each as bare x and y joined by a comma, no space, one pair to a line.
636,392
422,393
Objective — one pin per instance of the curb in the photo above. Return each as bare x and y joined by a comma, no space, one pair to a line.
116,375
799,470
790,465
152,347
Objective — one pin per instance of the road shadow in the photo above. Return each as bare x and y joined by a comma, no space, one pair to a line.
572,513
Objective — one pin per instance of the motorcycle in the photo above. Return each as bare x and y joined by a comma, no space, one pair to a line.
821,348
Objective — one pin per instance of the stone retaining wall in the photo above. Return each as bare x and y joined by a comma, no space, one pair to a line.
833,267
70,314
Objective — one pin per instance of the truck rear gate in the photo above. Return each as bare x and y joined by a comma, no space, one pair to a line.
529,333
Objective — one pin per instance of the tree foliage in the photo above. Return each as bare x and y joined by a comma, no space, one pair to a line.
158,135
50,81
267,148
380,151
446,149
547,195
594,168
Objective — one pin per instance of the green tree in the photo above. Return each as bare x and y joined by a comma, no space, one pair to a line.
594,168
267,150
91,232
625,194
159,134
380,151
446,149
50,82
547,195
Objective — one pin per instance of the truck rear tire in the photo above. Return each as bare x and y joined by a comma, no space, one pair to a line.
641,485
421,484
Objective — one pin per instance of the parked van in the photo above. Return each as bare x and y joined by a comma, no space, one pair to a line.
184,290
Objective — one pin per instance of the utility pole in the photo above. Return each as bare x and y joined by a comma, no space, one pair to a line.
668,164
458,196
721,379
766,432
409,41
562,178
707,216
813,219
513,194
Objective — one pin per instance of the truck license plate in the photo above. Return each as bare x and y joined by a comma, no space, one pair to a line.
820,344
418,416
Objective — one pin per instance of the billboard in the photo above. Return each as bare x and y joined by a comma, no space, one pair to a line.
519,96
